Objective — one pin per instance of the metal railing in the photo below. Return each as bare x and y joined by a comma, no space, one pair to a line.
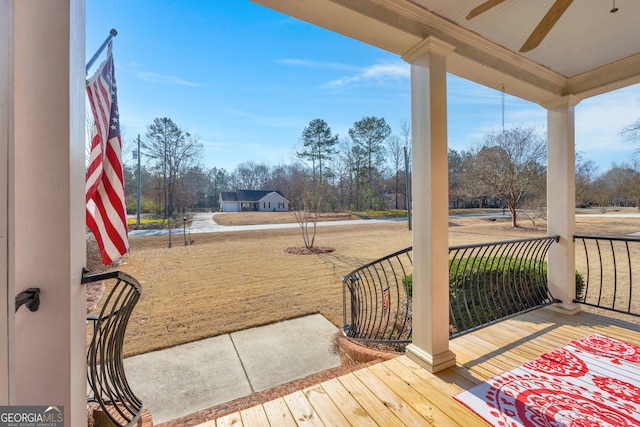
487,283
377,302
105,368
608,266
493,281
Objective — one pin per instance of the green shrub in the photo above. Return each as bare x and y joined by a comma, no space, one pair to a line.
579,286
407,284
479,288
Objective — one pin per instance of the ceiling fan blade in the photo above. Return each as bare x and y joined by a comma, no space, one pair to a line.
483,8
547,23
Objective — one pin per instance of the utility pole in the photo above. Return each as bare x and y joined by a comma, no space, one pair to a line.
138,155
407,191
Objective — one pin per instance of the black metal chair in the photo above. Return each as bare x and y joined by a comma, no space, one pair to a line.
105,367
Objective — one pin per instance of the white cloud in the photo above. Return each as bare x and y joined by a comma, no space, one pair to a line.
375,73
161,78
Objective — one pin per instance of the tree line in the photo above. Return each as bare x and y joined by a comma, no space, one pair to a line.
369,169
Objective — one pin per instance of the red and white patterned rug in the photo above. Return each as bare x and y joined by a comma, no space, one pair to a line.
593,381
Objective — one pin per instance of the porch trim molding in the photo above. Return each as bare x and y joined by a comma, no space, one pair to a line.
430,44
431,362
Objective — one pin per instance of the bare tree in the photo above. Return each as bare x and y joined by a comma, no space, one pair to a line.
586,171
172,152
251,175
631,133
618,186
396,158
308,214
509,165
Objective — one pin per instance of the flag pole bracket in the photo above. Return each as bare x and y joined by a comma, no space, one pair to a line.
29,297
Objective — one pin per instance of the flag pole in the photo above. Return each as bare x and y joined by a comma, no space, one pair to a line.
112,34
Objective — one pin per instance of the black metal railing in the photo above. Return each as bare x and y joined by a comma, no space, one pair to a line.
493,281
105,368
608,266
377,302
487,283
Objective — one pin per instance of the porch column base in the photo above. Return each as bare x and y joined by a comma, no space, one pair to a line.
431,362
569,309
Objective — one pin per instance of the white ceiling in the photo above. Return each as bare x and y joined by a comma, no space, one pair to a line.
589,51
586,36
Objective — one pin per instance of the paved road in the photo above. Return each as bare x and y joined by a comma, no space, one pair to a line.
204,223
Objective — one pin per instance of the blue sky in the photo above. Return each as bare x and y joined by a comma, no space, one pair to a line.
247,80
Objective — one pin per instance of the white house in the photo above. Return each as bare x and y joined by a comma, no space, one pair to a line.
253,200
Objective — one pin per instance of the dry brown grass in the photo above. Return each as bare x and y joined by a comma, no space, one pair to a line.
226,282
251,218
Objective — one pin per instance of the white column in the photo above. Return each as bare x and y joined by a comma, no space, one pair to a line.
561,200
7,377
430,201
46,204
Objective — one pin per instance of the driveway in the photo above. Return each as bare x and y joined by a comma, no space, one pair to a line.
204,223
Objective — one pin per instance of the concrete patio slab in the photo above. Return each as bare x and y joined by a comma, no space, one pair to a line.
282,352
185,379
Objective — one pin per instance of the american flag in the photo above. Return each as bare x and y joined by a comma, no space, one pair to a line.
106,209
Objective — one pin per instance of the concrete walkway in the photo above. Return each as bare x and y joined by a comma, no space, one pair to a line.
204,223
189,378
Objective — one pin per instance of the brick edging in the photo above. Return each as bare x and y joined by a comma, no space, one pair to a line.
352,353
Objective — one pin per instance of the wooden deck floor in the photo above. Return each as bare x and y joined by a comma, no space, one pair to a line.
399,393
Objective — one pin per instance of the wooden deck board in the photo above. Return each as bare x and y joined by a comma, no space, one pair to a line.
328,411
343,399
278,413
301,409
392,400
254,416
375,407
233,419
399,392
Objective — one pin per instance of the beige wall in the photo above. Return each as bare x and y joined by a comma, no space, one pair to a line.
45,213
7,379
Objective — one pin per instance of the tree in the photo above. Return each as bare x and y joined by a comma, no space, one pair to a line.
193,187
251,176
457,182
369,135
585,174
618,186
509,165
631,133
307,215
172,153
318,146
219,180
396,158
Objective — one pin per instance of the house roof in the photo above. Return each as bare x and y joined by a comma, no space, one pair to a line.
588,51
228,196
247,195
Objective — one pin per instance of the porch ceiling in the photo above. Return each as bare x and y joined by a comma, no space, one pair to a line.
587,52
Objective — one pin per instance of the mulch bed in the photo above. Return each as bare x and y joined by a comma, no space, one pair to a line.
303,250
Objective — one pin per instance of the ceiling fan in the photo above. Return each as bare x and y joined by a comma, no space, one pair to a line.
543,28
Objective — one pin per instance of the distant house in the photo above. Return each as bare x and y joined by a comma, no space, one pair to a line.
253,200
